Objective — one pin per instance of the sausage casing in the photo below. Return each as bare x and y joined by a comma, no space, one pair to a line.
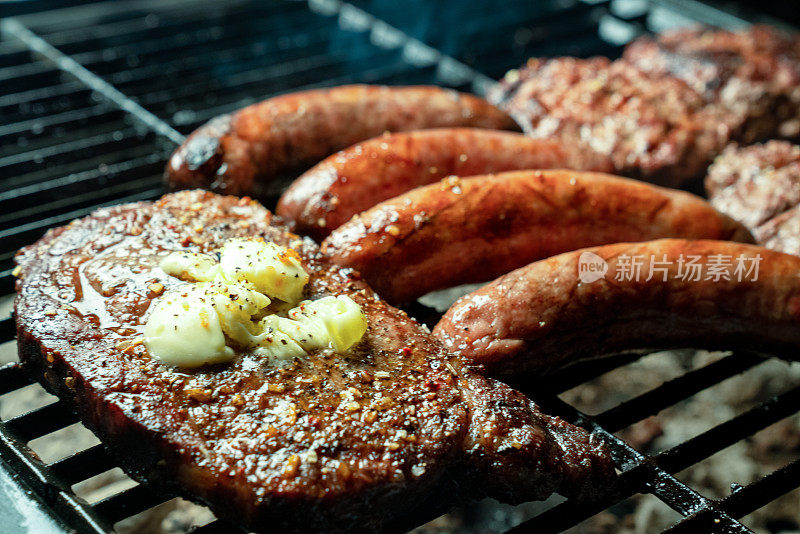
359,177
246,152
470,230
552,313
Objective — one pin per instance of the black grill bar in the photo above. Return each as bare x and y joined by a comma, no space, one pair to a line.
34,473
171,21
639,475
749,499
574,375
384,74
110,190
127,503
91,80
28,233
61,187
7,331
70,118
12,376
41,421
723,435
703,512
82,465
86,147
671,392
68,169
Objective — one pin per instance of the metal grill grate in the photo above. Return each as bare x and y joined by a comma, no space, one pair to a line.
93,98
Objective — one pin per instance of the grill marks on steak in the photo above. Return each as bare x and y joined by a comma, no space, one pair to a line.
759,186
323,444
670,105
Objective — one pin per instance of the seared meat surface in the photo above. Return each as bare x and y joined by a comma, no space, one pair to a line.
664,111
759,186
753,74
381,437
652,126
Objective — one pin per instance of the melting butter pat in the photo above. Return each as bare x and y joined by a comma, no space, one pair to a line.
271,269
229,308
268,268
184,330
340,318
330,322
191,266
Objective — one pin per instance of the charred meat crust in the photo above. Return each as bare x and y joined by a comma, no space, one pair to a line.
508,455
240,437
543,316
246,152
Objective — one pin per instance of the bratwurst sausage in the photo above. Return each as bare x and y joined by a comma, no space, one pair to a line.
468,230
699,294
245,152
359,177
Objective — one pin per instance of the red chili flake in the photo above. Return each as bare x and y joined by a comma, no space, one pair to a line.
407,351
433,386
186,241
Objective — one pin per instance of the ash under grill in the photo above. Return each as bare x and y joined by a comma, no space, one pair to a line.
94,98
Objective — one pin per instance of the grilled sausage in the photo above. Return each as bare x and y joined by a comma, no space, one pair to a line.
559,310
475,229
359,177
246,152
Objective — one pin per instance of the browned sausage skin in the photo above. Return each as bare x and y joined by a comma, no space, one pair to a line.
359,177
548,314
245,152
474,229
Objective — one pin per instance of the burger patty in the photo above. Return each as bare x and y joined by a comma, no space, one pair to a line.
664,111
753,74
759,186
380,437
651,126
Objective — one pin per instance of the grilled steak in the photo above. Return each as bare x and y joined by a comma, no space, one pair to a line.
670,106
759,185
377,438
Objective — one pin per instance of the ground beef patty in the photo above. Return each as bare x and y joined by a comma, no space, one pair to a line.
754,74
651,126
759,186
670,106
